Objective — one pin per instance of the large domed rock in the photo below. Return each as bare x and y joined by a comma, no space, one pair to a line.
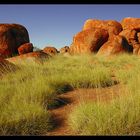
117,45
11,37
88,41
112,26
50,50
25,48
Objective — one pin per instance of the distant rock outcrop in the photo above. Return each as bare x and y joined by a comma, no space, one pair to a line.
88,41
65,49
25,48
11,37
50,50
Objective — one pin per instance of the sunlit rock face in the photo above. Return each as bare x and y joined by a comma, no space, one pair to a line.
11,37
89,41
112,26
130,23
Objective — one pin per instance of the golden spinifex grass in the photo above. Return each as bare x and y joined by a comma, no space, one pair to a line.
121,116
28,93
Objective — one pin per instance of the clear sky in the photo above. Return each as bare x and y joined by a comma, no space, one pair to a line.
55,25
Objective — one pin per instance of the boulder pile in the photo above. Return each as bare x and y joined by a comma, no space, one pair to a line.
108,37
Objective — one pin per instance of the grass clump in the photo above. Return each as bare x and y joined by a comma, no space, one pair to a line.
121,116
24,119
78,72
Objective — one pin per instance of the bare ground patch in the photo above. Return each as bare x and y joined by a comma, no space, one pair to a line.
73,98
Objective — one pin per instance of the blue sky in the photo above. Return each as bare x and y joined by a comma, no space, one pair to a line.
56,25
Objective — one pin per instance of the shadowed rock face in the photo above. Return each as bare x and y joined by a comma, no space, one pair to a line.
113,27
34,56
138,36
65,49
117,45
25,48
88,41
129,34
11,37
50,50
131,31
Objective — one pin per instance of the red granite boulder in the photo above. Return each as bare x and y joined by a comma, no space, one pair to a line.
11,37
114,46
89,41
25,48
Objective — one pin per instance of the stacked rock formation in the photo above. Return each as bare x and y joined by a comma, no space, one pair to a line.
108,37
94,34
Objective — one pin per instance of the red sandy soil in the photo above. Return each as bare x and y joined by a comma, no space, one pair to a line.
72,99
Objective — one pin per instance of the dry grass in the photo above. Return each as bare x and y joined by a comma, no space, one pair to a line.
28,93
